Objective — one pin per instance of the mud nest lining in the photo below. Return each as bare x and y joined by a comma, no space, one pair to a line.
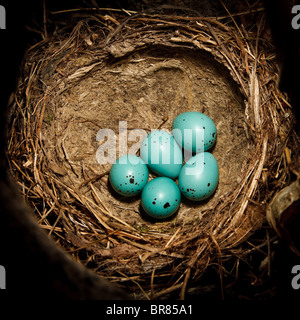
146,69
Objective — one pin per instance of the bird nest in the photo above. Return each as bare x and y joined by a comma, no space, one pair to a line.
122,71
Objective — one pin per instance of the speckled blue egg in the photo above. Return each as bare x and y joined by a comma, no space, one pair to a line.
161,198
128,175
199,177
194,131
162,154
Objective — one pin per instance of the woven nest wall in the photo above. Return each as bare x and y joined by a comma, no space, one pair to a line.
146,69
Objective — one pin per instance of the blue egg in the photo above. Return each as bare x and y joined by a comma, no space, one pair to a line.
199,177
162,154
194,131
128,175
161,198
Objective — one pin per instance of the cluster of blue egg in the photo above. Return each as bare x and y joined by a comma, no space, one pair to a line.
193,133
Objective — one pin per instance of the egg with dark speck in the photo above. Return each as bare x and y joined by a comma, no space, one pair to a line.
161,198
198,178
128,175
194,131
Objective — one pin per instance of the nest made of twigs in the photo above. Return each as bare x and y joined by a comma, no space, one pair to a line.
111,67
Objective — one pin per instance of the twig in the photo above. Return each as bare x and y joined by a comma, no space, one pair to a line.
93,179
168,290
254,182
226,55
118,28
259,247
45,35
131,279
185,282
219,263
93,9
151,284
154,250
